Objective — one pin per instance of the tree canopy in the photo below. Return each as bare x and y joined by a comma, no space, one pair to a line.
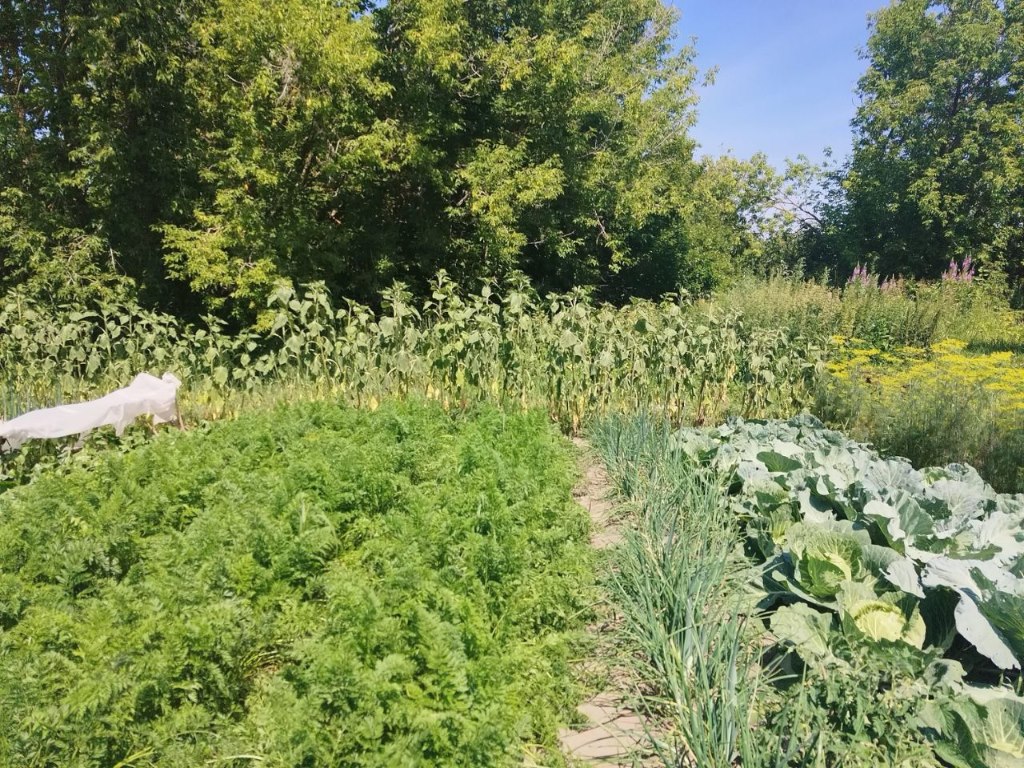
205,149
937,171
196,153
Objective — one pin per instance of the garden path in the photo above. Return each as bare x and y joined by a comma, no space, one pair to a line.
614,735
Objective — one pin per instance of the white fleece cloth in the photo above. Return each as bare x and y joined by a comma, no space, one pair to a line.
146,394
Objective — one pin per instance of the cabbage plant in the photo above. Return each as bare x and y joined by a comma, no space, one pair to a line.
895,553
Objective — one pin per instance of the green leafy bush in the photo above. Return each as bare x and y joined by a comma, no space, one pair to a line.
306,586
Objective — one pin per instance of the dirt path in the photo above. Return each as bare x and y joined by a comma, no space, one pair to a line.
614,735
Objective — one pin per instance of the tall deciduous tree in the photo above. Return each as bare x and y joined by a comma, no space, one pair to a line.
937,171
94,132
547,135
287,135
206,149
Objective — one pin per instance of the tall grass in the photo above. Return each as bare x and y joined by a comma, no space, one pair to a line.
891,314
932,420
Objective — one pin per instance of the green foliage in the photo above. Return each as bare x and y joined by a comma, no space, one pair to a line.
893,314
285,134
851,672
209,150
937,173
305,586
720,691
679,587
199,155
983,734
894,551
92,134
932,422
566,354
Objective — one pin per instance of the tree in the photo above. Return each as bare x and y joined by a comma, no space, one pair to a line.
937,171
548,136
287,139
204,150
93,134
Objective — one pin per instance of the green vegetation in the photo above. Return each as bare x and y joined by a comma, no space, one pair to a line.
784,583
886,314
932,177
437,229
934,406
929,371
310,585
566,354
830,517
679,586
895,671
933,422
195,157
203,152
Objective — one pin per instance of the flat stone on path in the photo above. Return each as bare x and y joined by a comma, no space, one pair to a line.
613,740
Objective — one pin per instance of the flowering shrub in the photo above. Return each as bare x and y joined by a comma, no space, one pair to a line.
894,285
891,373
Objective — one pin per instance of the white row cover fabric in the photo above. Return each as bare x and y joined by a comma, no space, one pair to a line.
145,395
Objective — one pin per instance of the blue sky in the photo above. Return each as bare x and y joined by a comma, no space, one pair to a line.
787,70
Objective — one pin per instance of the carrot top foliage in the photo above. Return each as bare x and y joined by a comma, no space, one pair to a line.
312,585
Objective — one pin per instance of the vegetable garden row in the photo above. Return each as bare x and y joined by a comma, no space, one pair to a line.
799,600
306,586
565,353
